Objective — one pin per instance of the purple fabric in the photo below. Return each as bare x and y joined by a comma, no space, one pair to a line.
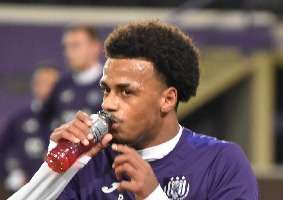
25,139
68,97
199,168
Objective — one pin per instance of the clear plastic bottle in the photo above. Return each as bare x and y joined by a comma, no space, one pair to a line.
63,156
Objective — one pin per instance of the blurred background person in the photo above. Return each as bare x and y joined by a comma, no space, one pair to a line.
23,143
78,89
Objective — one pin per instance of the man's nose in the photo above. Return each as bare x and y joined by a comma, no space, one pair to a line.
110,103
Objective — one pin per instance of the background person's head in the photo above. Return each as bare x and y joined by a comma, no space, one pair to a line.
150,67
43,81
81,47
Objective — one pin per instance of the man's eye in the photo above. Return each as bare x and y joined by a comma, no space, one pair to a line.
105,90
126,92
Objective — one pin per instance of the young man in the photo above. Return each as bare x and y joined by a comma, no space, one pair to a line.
150,67
79,88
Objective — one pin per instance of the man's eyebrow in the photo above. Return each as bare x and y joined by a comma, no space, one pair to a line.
123,85
119,85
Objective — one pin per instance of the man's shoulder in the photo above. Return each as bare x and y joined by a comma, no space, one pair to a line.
20,115
202,141
213,147
225,163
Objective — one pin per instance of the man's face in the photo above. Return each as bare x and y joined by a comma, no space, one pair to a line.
80,50
132,93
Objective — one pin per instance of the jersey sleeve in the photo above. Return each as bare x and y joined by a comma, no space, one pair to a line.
48,185
231,176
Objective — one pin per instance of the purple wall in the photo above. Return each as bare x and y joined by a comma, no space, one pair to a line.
21,48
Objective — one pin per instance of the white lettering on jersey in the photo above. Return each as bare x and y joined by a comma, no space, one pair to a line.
121,197
111,189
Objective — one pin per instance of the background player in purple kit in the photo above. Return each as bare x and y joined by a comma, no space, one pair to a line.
78,89
150,68
24,140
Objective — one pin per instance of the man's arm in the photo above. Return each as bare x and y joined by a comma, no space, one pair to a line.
231,176
47,184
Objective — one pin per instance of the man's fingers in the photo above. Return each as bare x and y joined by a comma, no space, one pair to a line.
123,158
128,186
122,148
133,157
68,136
78,134
83,117
56,134
82,126
106,140
125,168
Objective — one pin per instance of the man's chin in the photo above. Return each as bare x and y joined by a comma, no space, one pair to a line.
119,140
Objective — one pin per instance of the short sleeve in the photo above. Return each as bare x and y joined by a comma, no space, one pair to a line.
231,176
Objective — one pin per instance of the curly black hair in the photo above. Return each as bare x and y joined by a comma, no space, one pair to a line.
166,46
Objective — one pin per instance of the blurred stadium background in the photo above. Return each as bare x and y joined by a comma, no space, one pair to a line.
240,97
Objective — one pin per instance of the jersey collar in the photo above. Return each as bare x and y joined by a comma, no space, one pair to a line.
88,76
159,151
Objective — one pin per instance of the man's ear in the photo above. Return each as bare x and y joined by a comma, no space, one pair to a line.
169,100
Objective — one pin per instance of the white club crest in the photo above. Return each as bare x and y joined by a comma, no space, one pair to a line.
177,188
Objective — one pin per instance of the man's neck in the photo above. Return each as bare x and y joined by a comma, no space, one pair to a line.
166,130
160,151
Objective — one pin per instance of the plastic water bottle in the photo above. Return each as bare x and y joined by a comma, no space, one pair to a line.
63,156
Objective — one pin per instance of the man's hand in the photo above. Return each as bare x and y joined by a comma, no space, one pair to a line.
78,130
142,178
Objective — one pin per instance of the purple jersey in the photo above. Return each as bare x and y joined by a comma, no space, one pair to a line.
68,97
23,142
199,167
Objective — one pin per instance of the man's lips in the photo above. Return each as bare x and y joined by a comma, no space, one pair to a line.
115,125
115,122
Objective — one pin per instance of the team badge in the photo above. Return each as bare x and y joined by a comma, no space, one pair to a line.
177,188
